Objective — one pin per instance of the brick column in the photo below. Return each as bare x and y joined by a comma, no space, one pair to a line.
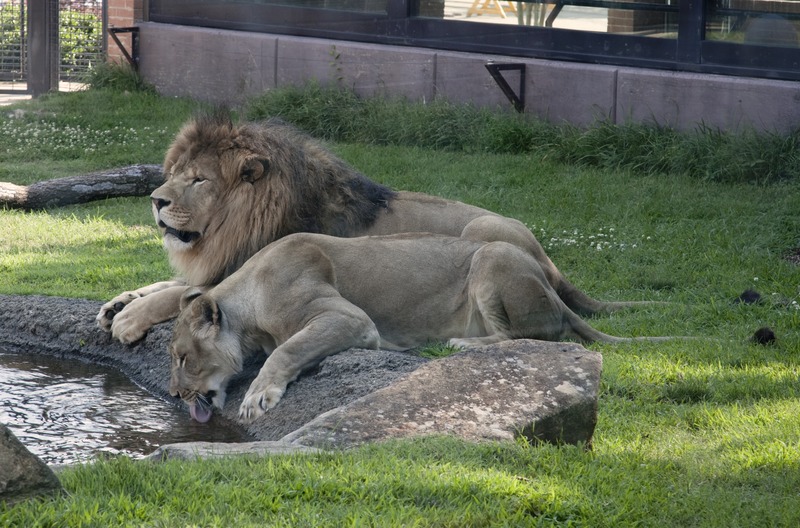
123,13
635,21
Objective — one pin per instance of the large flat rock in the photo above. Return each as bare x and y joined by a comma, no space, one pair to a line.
542,391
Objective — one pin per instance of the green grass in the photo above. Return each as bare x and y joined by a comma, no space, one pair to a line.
690,433
71,133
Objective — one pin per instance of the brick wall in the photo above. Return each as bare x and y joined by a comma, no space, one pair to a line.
123,13
636,21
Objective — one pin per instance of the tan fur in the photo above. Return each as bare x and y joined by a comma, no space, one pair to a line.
230,190
308,296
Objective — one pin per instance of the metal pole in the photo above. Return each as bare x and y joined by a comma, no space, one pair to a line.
43,52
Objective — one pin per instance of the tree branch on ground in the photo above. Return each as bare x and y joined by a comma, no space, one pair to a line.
133,180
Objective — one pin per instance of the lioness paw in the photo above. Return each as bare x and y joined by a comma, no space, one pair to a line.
112,308
458,343
256,403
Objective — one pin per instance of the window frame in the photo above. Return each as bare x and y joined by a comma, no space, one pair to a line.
401,26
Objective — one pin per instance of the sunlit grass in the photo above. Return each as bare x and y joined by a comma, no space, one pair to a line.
80,251
20,136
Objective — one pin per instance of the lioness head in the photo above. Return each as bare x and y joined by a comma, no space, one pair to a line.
203,359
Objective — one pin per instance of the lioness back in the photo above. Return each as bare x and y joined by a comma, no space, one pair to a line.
407,282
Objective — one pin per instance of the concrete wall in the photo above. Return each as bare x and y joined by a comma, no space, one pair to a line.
230,66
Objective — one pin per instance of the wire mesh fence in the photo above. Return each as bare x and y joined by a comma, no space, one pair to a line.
12,40
81,39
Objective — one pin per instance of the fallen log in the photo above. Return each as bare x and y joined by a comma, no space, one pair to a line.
134,180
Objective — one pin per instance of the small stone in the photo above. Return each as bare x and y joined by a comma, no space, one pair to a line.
764,336
748,297
22,474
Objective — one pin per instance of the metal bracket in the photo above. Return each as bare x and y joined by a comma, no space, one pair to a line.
133,56
518,100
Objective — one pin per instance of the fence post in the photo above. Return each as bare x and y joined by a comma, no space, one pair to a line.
43,53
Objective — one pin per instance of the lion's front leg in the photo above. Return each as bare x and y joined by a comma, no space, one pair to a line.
136,318
324,335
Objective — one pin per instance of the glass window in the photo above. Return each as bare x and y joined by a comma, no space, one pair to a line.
756,22
653,18
371,6
738,37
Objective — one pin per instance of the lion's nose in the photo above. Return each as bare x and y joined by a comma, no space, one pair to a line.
159,203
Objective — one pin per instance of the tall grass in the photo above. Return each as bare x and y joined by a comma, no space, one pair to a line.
118,76
705,153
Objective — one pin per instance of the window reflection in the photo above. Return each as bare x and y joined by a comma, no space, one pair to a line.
371,6
759,22
759,38
656,18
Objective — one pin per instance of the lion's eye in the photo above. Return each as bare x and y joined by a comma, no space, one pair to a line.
198,181
181,361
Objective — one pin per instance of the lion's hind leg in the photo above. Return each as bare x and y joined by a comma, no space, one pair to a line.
339,325
508,289
491,228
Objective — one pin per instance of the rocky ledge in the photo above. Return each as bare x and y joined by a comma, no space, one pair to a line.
543,391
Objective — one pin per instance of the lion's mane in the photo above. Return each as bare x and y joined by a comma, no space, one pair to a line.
304,188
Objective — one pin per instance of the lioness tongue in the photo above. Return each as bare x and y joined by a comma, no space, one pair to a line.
200,414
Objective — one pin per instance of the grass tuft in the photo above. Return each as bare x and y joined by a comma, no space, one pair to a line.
704,154
118,76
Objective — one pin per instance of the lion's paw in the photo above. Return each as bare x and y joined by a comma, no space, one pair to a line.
112,308
256,403
461,344
131,324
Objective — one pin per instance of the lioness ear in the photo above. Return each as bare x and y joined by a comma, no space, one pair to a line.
205,318
254,168
189,295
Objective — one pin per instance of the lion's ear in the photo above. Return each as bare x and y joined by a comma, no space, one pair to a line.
205,318
254,168
189,295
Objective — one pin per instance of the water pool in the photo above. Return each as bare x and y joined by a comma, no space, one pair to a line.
66,412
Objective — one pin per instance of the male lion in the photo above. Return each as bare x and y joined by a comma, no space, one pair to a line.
308,296
230,190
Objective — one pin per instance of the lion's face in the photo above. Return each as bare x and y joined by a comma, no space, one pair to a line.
210,206
203,359
185,204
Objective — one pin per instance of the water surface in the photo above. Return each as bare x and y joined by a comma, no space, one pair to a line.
67,412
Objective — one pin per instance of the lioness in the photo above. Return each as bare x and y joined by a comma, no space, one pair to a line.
232,189
307,296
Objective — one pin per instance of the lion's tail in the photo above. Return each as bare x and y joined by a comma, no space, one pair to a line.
577,328
582,304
